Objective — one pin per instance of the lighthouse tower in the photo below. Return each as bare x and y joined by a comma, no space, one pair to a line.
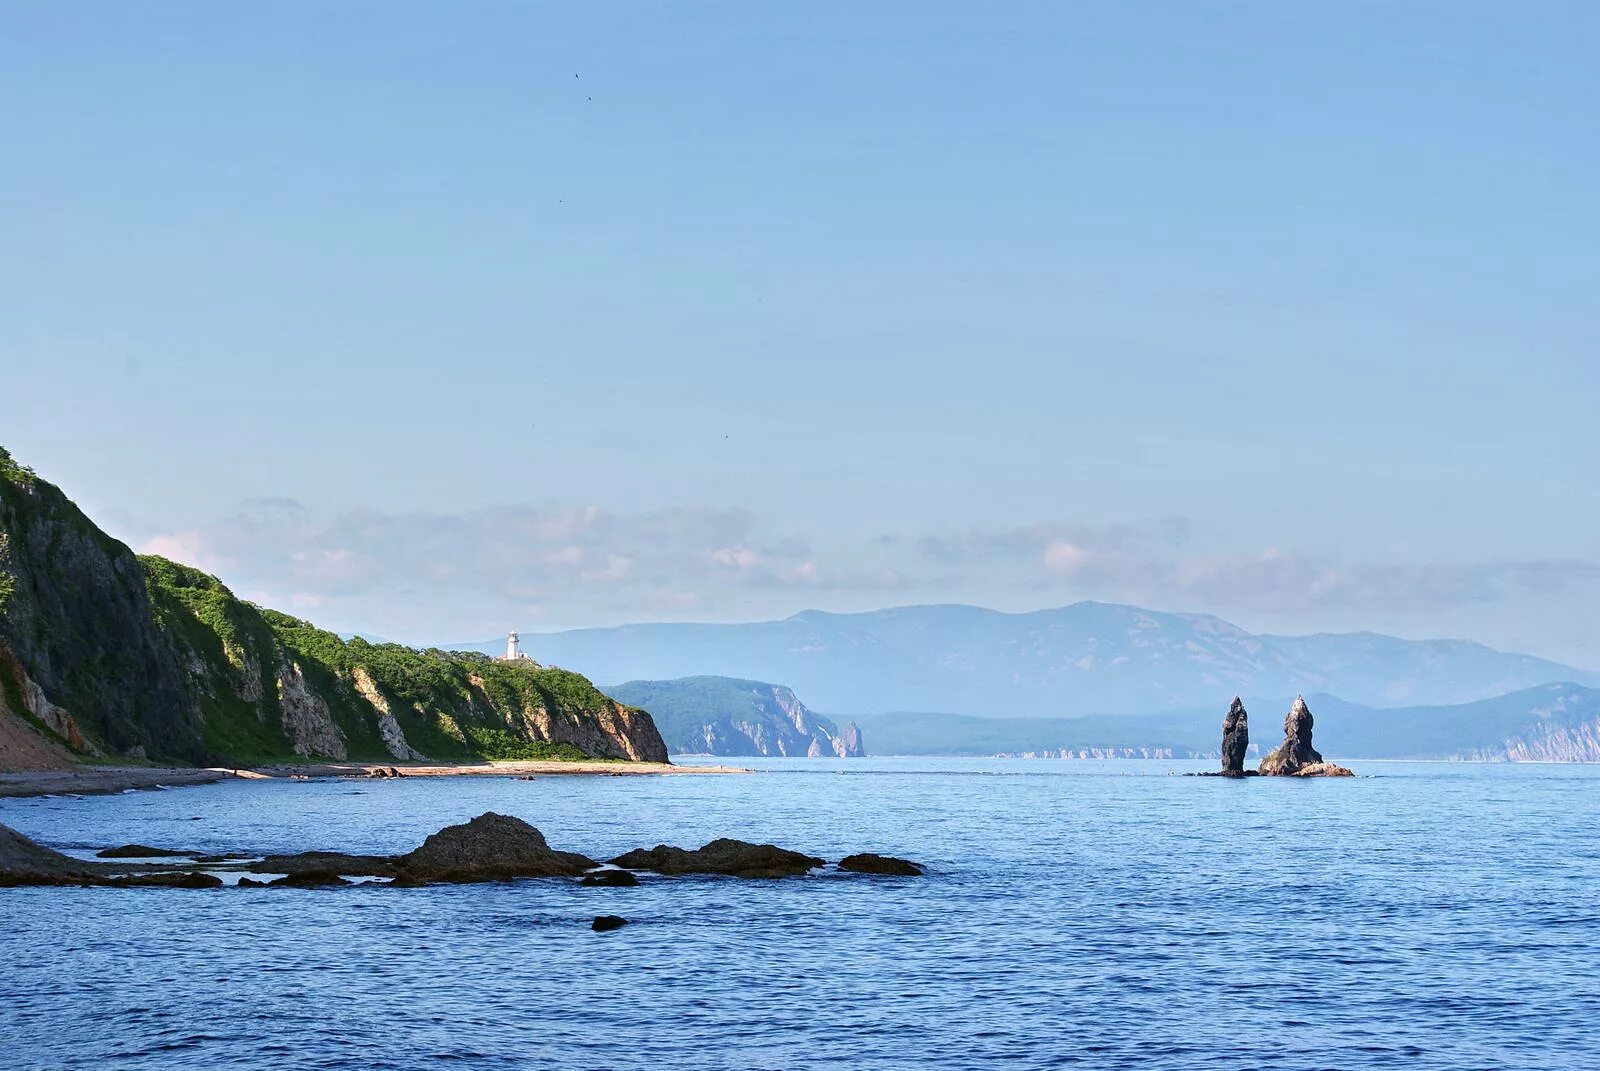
513,649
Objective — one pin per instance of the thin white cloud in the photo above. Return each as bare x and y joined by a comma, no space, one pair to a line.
585,564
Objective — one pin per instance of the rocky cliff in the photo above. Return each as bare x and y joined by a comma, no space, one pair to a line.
104,653
725,716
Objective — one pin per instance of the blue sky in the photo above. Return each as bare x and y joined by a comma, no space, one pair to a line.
434,320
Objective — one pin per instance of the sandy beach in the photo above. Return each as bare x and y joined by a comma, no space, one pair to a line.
92,780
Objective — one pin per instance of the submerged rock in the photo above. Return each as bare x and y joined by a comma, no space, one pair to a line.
191,879
1235,739
373,866
491,847
1295,757
619,879
602,923
873,863
310,879
141,851
736,858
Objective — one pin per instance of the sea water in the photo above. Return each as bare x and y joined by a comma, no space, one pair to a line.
1093,914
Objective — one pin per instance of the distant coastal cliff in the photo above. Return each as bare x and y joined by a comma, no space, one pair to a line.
108,654
727,716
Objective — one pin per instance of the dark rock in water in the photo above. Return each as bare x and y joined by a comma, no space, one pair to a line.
192,879
491,847
602,923
610,878
225,857
22,862
310,879
252,883
873,863
1295,757
737,858
372,866
140,851
1235,739
384,771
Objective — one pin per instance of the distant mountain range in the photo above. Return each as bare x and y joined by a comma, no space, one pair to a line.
1087,658
724,716
1549,723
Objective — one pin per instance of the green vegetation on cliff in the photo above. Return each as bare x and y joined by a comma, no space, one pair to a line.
140,655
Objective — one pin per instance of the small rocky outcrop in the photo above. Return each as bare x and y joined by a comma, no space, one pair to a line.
22,862
491,847
1295,757
141,851
615,879
192,879
736,858
310,879
371,866
602,923
873,863
1235,739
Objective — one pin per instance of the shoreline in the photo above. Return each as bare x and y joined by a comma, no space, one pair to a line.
106,780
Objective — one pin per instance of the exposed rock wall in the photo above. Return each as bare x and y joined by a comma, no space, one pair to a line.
393,736
307,719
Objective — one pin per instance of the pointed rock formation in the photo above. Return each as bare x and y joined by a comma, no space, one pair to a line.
1235,739
1295,757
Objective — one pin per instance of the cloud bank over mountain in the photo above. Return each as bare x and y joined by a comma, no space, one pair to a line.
432,575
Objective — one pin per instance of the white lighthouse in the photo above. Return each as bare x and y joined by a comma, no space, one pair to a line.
514,649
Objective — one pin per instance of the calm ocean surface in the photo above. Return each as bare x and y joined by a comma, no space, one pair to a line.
1103,915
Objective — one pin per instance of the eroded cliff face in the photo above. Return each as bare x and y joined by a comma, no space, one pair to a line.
725,716
306,717
1562,726
106,653
389,730
596,725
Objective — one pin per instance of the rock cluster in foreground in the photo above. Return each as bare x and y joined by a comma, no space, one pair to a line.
491,847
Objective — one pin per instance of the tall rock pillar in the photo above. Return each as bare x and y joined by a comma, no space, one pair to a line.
1235,739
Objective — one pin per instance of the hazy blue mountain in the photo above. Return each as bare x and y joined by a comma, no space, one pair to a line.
1382,671
1087,658
1549,723
725,716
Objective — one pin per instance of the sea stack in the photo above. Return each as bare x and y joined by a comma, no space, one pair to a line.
1235,739
1295,757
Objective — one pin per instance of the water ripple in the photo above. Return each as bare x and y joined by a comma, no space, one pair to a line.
1430,917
